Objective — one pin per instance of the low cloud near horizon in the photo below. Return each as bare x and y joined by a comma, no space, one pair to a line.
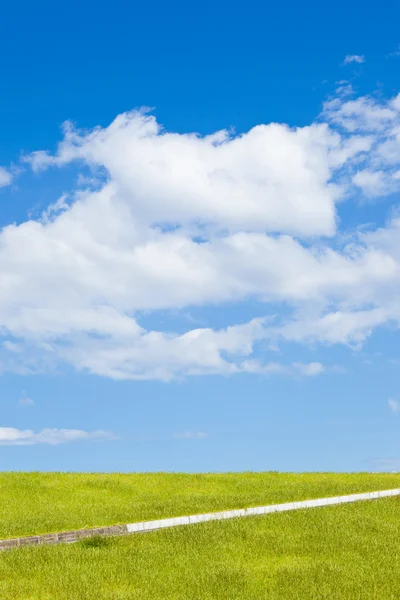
9,436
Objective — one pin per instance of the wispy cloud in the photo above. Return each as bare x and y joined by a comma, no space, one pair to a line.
25,400
274,368
395,53
386,464
354,58
394,405
191,435
9,436
5,177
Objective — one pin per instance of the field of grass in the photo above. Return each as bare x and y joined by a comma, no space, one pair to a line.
35,503
347,552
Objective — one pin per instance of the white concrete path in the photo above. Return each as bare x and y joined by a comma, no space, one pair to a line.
259,510
69,537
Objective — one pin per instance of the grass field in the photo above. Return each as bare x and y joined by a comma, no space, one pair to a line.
344,552
348,552
34,503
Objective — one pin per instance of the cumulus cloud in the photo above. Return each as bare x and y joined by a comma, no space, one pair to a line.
270,178
183,220
9,436
354,58
372,183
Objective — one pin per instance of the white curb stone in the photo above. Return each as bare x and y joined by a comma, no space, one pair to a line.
258,510
69,537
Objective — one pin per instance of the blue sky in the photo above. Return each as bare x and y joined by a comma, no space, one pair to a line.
210,283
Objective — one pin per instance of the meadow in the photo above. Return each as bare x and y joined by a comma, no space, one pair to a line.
35,503
344,552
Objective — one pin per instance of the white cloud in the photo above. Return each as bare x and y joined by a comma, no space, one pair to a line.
311,369
9,436
163,356
181,220
376,121
191,435
158,355
354,58
363,114
5,177
56,208
275,368
395,102
372,183
11,346
271,178
394,405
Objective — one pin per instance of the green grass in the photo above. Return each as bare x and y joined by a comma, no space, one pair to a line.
34,503
348,552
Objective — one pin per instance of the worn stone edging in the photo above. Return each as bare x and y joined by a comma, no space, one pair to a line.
66,537
69,537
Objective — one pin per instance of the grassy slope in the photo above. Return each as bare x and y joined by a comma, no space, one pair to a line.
348,552
32,503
